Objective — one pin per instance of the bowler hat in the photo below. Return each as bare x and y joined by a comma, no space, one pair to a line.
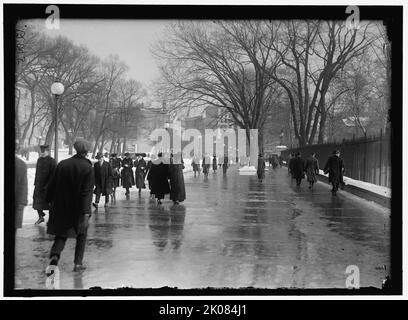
81,146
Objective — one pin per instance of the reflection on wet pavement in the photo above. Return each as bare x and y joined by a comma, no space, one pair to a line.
232,231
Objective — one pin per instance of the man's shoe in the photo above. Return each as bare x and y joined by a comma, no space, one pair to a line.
79,267
40,220
52,265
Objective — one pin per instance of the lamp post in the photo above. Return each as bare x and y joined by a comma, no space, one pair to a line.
70,141
57,89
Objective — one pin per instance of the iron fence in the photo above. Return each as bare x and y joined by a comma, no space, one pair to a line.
366,159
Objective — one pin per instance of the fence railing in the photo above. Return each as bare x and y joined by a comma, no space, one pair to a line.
366,159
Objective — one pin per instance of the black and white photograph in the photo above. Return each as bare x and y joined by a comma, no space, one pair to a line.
202,150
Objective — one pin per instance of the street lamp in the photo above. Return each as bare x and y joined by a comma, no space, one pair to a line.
57,89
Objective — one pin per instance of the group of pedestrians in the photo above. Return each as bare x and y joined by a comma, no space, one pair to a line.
206,164
67,190
300,168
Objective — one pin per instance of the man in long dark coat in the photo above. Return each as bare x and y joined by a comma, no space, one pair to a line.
20,191
261,167
115,163
159,175
298,168
128,180
43,174
335,168
177,187
140,172
70,196
290,163
103,180
214,163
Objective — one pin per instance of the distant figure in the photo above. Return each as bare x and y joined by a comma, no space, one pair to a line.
44,172
298,168
127,177
177,187
225,165
261,167
335,168
312,169
70,195
103,180
159,175
214,163
195,163
140,172
206,165
115,163
270,160
20,191
275,162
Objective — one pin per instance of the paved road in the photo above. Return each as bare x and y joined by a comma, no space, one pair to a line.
232,231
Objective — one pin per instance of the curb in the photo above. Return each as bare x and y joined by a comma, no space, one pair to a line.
362,193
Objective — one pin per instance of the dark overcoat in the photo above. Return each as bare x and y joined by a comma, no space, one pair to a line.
225,165
159,176
70,196
335,168
206,164
115,163
298,168
20,191
140,173
177,187
312,169
214,163
261,168
103,178
128,179
43,173
148,167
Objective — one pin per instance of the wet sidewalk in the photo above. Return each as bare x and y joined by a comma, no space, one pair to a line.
232,231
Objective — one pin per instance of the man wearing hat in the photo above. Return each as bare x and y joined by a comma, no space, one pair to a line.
70,195
335,168
103,180
43,174
115,163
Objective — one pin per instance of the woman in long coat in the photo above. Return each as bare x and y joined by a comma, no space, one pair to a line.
261,167
298,168
140,173
128,180
335,168
159,175
177,187
312,169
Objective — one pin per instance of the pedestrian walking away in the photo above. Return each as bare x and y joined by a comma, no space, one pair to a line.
44,172
335,168
115,163
195,163
290,164
103,180
214,163
140,173
177,187
206,165
312,169
261,168
127,178
70,196
159,175
298,168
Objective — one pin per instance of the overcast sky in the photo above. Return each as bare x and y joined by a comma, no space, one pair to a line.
130,39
